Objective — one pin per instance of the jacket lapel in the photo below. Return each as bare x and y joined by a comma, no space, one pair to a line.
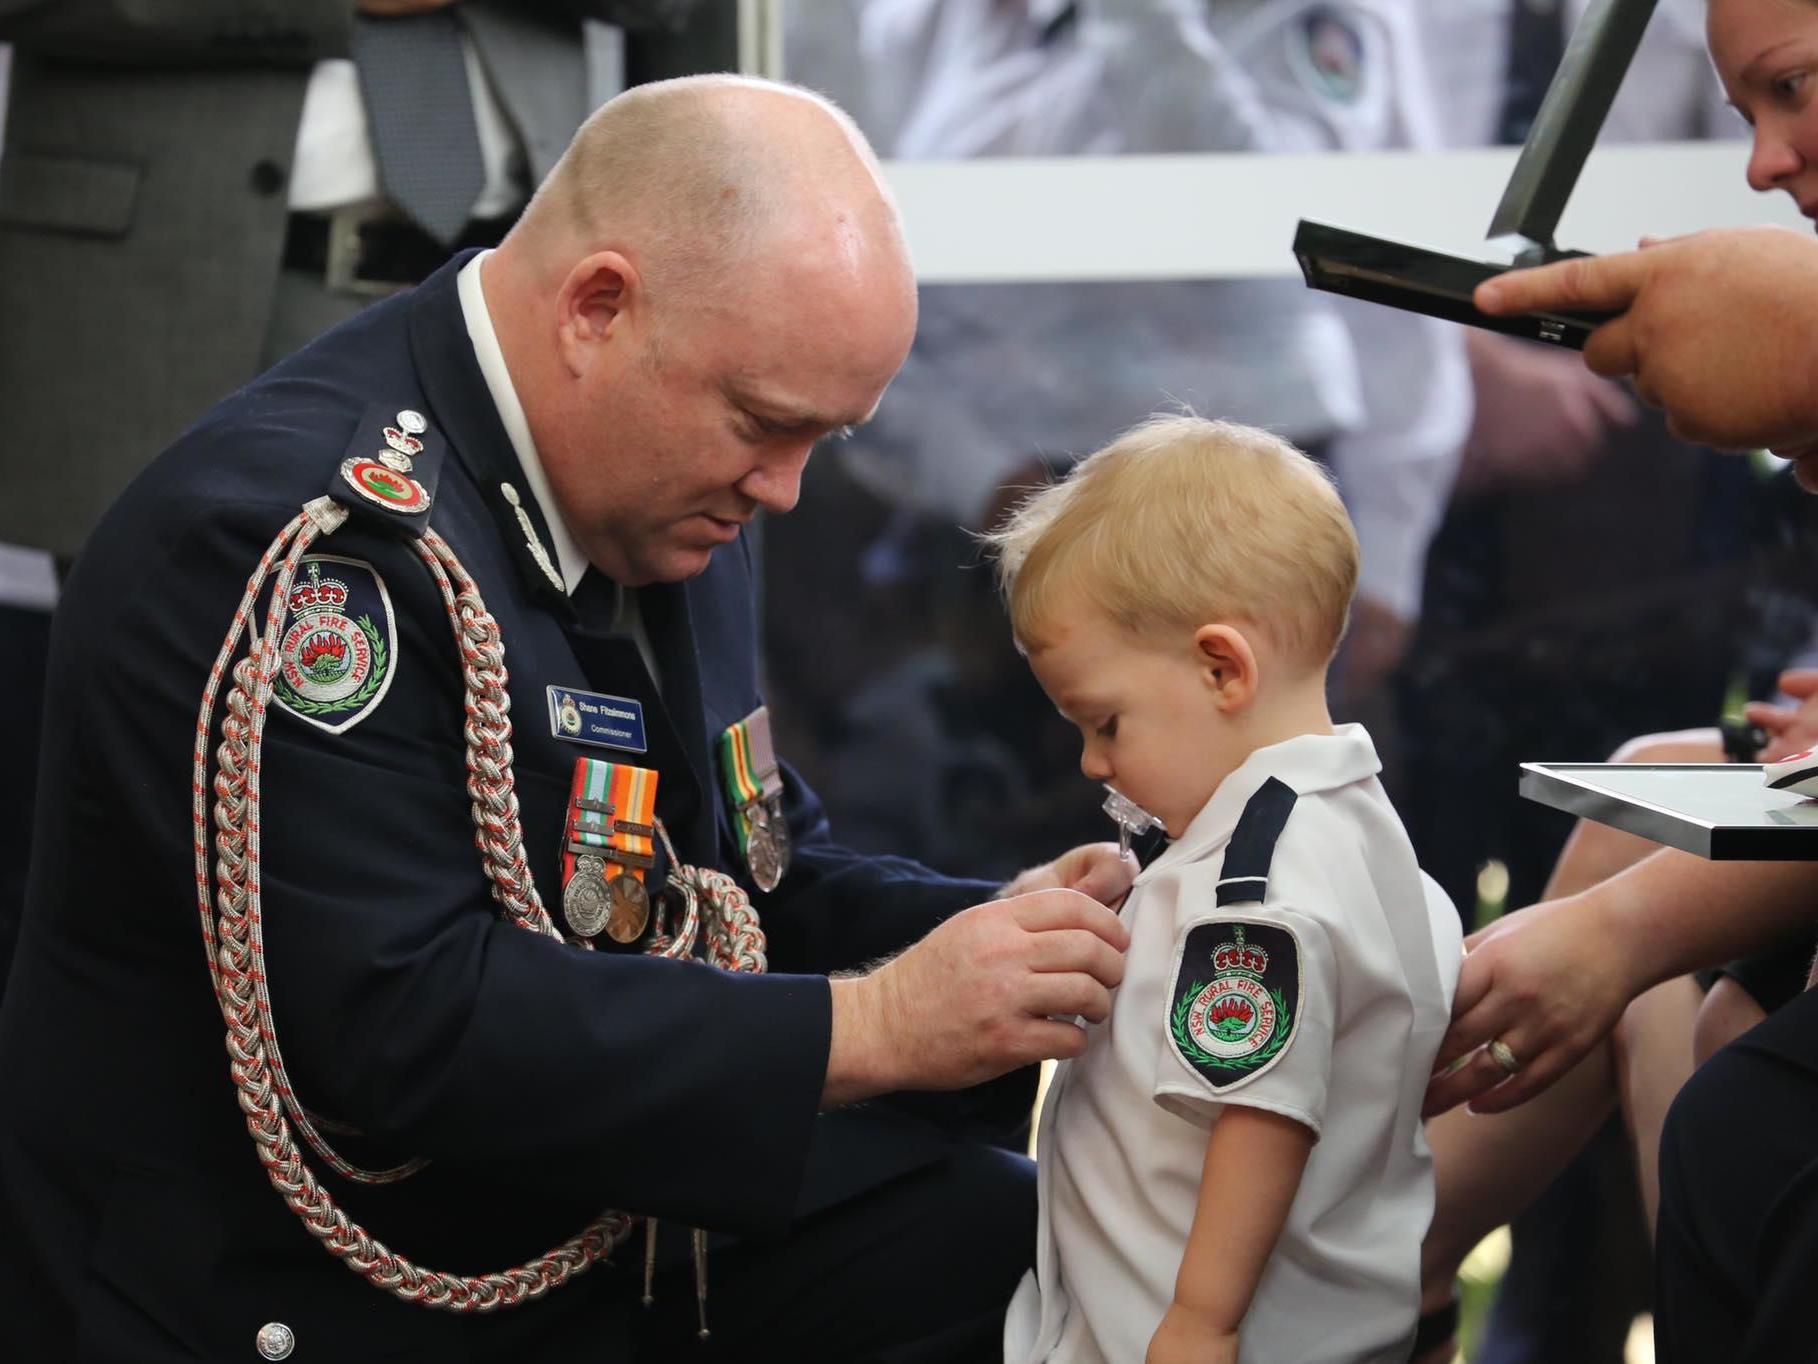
608,661
463,407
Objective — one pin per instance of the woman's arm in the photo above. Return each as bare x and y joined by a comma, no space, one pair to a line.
1551,981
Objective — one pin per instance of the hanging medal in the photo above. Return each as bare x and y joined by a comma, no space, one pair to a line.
607,848
754,789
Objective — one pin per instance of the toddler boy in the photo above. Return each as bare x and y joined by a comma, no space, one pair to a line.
1235,1168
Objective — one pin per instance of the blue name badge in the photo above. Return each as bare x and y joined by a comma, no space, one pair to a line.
589,717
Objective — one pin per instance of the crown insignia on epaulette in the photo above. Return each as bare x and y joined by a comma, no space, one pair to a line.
402,442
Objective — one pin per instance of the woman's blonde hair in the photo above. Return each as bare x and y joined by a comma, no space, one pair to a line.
1178,523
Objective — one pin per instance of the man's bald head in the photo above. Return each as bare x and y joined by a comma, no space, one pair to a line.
695,178
711,280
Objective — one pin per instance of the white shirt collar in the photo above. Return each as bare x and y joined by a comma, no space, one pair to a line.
1307,762
568,556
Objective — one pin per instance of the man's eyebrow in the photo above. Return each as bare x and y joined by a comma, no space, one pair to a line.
788,417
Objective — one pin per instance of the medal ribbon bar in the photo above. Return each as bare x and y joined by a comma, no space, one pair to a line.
752,779
631,793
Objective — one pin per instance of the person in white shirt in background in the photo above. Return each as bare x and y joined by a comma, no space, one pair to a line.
1048,370
1235,1169
1008,379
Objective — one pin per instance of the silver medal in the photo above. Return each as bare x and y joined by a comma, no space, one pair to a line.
762,854
779,835
585,902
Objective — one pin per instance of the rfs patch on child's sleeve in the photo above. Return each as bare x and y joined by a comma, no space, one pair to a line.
1232,1009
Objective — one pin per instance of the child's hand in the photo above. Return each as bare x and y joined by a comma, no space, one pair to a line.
1189,1337
1093,869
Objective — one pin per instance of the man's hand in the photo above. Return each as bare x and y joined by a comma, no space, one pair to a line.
1094,869
1549,982
1790,729
1720,328
1540,416
987,991
1186,1337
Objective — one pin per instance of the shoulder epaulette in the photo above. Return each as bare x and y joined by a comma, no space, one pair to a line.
388,474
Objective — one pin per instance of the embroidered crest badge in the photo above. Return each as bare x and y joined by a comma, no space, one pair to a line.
338,651
1236,995
1329,54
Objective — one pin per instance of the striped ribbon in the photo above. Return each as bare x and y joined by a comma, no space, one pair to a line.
748,762
631,791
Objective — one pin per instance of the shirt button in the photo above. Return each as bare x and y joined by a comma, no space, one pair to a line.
276,1340
267,178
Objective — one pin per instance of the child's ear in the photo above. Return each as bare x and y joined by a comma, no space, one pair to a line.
1227,665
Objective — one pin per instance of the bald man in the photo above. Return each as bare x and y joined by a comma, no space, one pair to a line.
431,876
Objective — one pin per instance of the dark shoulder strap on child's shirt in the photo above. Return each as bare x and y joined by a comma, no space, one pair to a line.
1245,878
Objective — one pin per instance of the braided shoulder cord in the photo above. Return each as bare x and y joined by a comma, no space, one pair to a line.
229,906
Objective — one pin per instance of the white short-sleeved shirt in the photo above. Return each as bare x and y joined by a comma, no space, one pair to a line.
1325,1001
1670,92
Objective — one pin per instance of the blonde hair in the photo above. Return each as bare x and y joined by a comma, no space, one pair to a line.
1182,522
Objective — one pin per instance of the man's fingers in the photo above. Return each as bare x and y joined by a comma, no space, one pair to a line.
1076,949
1064,994
1050,909
1051,1040
1590,283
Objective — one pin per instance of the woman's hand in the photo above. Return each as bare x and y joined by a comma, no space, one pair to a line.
1719,328
1547,982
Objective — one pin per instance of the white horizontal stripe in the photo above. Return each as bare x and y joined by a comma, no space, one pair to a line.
1206,217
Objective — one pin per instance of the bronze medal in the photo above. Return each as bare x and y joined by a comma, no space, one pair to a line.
585,902
630,909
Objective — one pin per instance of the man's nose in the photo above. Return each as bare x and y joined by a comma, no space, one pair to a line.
775,482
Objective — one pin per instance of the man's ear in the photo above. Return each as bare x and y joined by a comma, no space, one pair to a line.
1227,665
592,307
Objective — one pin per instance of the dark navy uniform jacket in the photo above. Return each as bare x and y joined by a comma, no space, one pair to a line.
545,1083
